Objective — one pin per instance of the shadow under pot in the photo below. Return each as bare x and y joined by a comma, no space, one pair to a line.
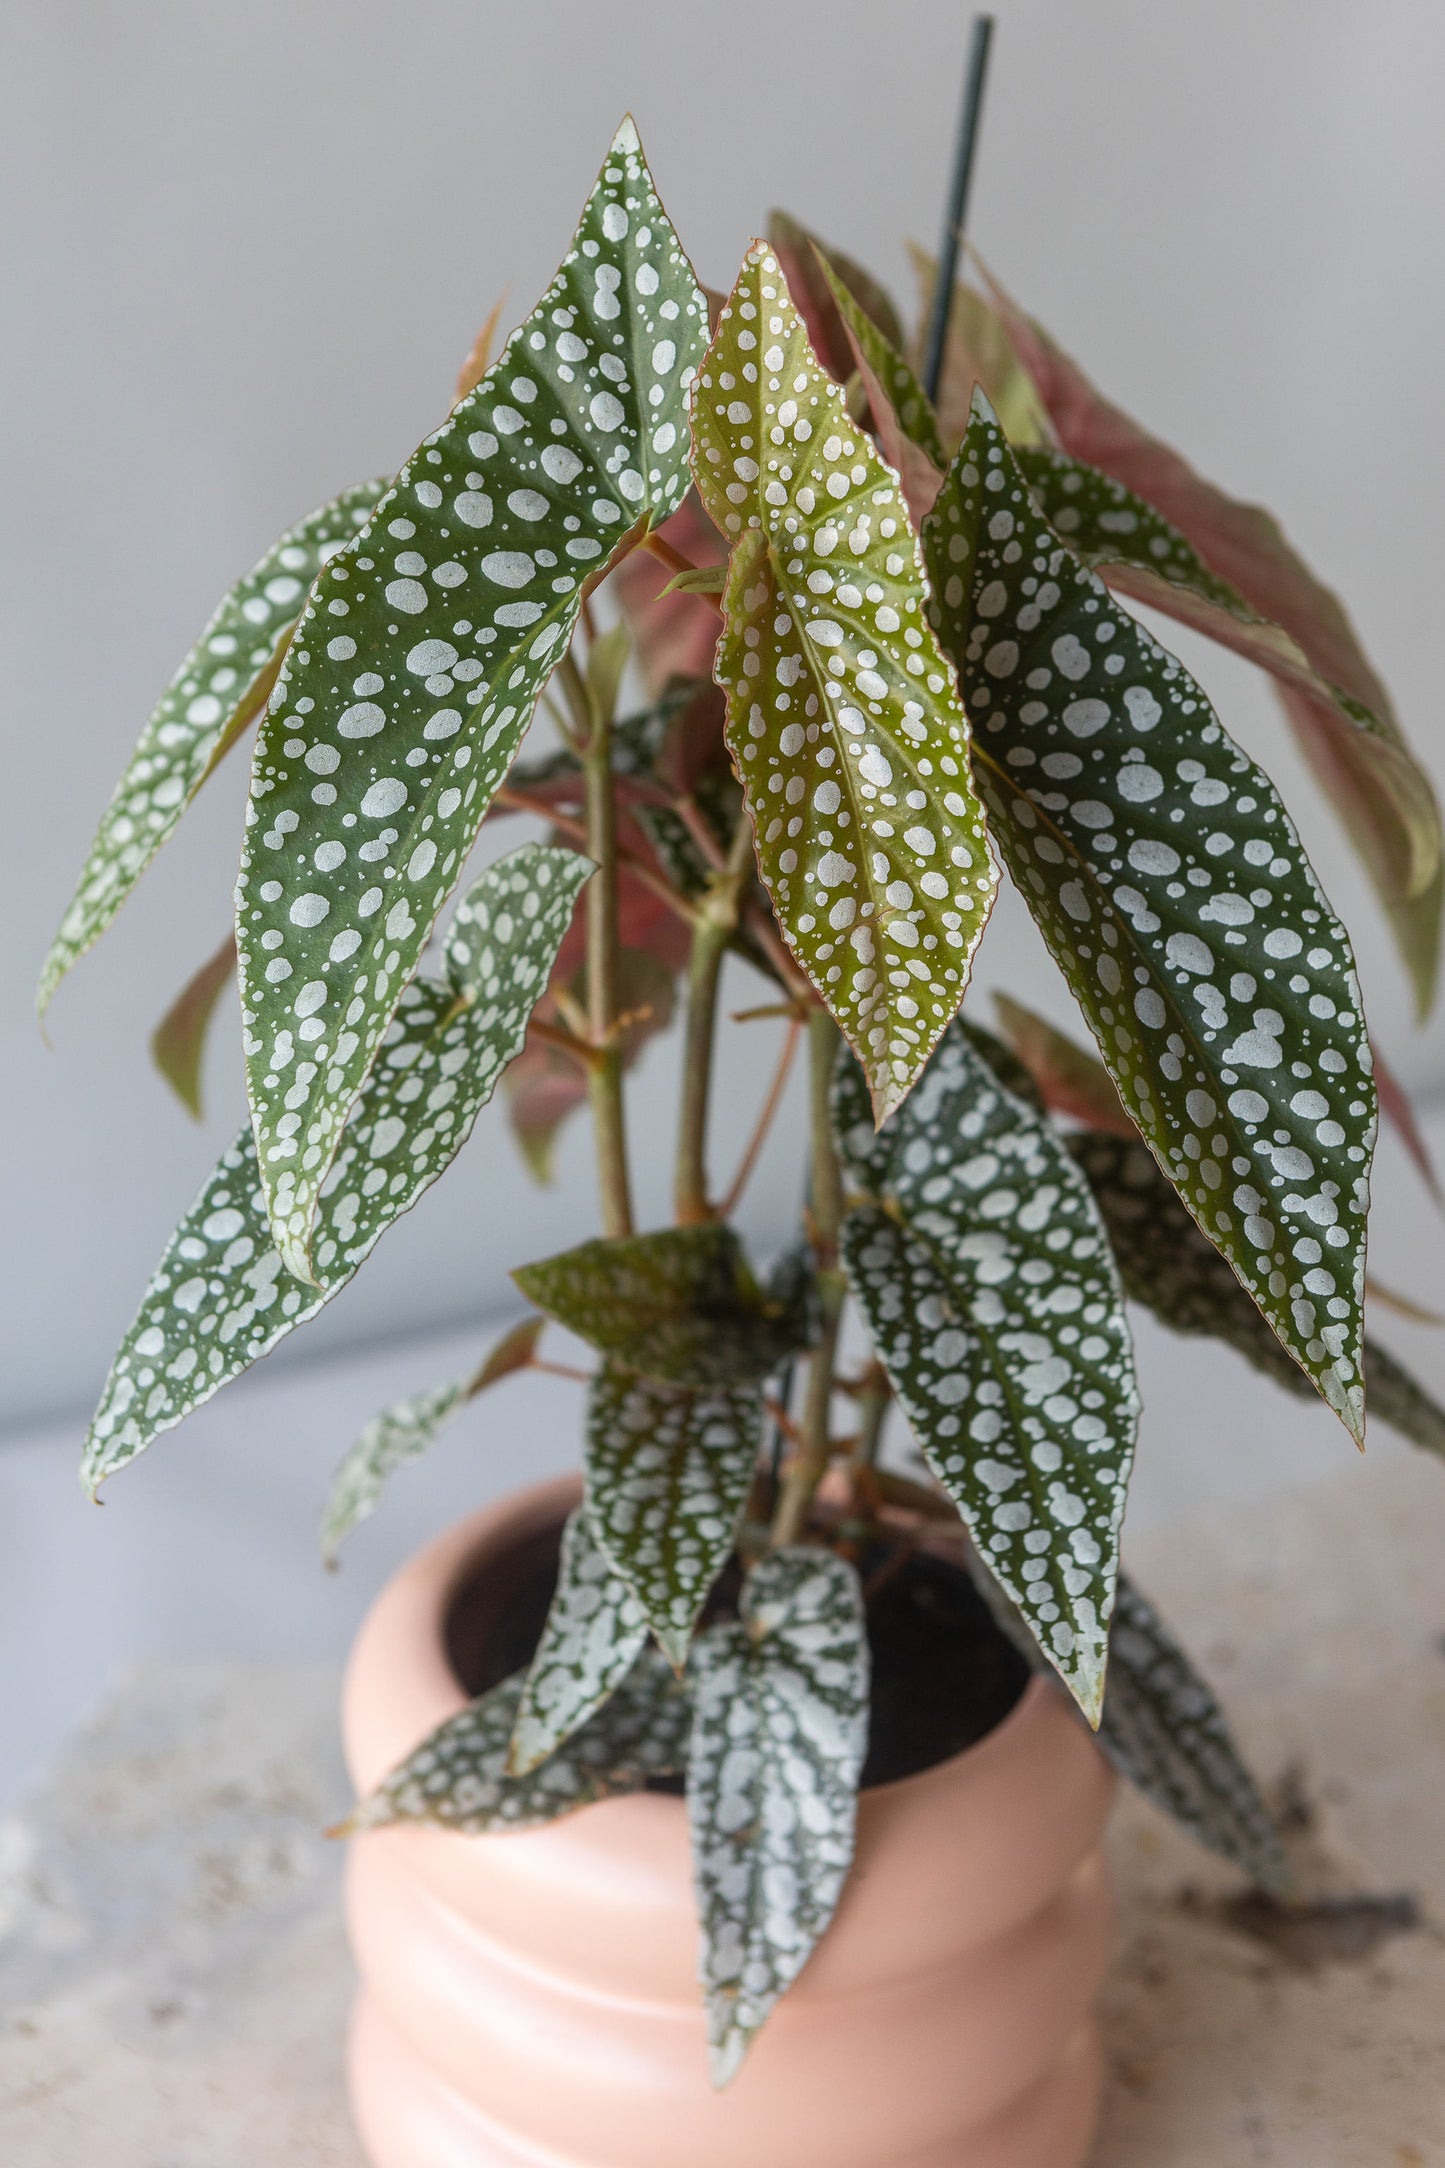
530,1999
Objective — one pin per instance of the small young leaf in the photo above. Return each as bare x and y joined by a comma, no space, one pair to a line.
222,685
458,1778
680,1305
843,717
402,1432
780,1728
595,1632
675,633
513,1352
814,272
668,1475
179,1039
1171,887
878,358
985,1275
422,651
1164,1730
221,1296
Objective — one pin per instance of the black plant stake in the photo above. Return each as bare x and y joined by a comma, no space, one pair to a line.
951,245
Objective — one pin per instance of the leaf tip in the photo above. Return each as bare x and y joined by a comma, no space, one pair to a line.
627,139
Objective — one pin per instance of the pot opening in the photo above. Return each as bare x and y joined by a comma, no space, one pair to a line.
944,1676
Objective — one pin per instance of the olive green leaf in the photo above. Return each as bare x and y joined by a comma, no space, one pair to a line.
1164,1730
408,1429
780,1728
983,1269
178,1042
843,717
1172,889
681,1305
881,364
415,668
595,1632
459,1779
813,271
668,1474
222,685
1167,1265
221,1295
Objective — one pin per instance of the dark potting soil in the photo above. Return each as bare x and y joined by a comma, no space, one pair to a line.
943,1674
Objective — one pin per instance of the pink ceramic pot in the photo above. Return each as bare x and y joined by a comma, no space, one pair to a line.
530,2000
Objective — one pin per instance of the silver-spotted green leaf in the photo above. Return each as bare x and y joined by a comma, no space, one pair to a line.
680,1304
843,717
221,1296
415,669
220,688
985,1274
669,1469
402,1432
595,1632
1168,1267
1169,882
458,1778
178,1043
880,359
780,1729
1164,1730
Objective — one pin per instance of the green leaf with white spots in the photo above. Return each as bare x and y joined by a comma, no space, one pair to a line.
1167,1266
595,1632
668,1473
458,1778
780,1729
843,718
1163,1729
178,1043
220,688
984,1272
415,669
681,1305
878,357
221,1295
402,1432
1171,887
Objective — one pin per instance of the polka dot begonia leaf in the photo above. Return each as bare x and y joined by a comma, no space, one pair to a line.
880,358
400,1433
780,1729
416,666
1172,889
1163,1729
221,1295
984,1272
680,1304
458,1778
668,1473
843,717
222,685
595,1632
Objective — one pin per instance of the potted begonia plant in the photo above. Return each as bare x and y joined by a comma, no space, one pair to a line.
761,1686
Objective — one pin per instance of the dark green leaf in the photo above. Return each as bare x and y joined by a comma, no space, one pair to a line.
680,1305
986,1278
415,668
594,1634
221,1296
178,1042
668,1474
780,1729
843,718
1171,887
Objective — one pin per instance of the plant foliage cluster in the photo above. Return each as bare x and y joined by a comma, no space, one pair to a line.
888,664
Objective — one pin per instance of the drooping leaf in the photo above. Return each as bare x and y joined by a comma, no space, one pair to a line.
843,717
178,1042
458,1778
985,1274
1172,889
668,1473
1167,1265
408,1429
1289,623
220,688
815,273
780,1728
595,1632
221,1296
1164,1730
422,651
680,1305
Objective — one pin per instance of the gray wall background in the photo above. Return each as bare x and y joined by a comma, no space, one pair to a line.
245,247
